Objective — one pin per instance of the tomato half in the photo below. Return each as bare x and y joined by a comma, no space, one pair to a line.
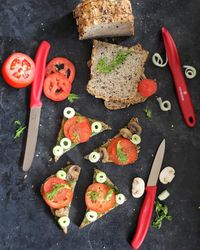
99,204
77,129
147,87
63,66
122,151
57,87
62,197
18,70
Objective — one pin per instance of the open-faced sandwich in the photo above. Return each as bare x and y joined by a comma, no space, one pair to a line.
76,129
58,190
104,18
101,197
123,149
117,75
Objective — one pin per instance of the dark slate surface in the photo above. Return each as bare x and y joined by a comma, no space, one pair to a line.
25,221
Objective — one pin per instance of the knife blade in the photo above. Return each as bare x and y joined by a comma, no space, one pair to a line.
183,94
148,203
35,104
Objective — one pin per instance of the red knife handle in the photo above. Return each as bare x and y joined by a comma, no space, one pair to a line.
184,98
145,215
40,67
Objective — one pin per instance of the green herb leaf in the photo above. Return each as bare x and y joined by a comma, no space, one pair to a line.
162,213
56,189
122,157
103,66
93,195
19,130
72,97
17,123
109,195
148,113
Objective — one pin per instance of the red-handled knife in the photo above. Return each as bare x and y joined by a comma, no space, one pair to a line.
35,104
184,98
146,210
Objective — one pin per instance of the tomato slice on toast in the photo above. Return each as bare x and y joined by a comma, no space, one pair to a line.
77,129
56,192
122,151
95,198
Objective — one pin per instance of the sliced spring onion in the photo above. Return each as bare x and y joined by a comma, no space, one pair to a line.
94,157
61,174
136,139
190,71
101,177
69,112
158,61
96,127
120,199
58,151
65,143
164,105
64,221
164,195
91,216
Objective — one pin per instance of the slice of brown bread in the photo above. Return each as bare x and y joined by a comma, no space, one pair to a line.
104,18
121,83
113,105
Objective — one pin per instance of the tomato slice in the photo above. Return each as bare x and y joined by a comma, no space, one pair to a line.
57,87
56,192
78,129
122,151
147,87
18,70
63,66
98,202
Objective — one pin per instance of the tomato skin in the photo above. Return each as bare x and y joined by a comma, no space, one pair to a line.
128,148
100,205
57,87
62,198
63,66
147,87
77,129
14,74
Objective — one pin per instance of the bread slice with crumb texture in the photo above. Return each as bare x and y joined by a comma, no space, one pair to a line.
119,85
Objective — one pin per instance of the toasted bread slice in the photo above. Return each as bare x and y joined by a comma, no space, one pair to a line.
124,66
91,215
69,175
104,18
102,154
62,150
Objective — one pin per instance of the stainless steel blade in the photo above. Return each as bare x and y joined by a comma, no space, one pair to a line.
34,121
157,163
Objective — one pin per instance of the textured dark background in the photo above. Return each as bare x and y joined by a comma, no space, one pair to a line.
25,221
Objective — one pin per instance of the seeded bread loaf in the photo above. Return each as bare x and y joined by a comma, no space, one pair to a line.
104,18
119,85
